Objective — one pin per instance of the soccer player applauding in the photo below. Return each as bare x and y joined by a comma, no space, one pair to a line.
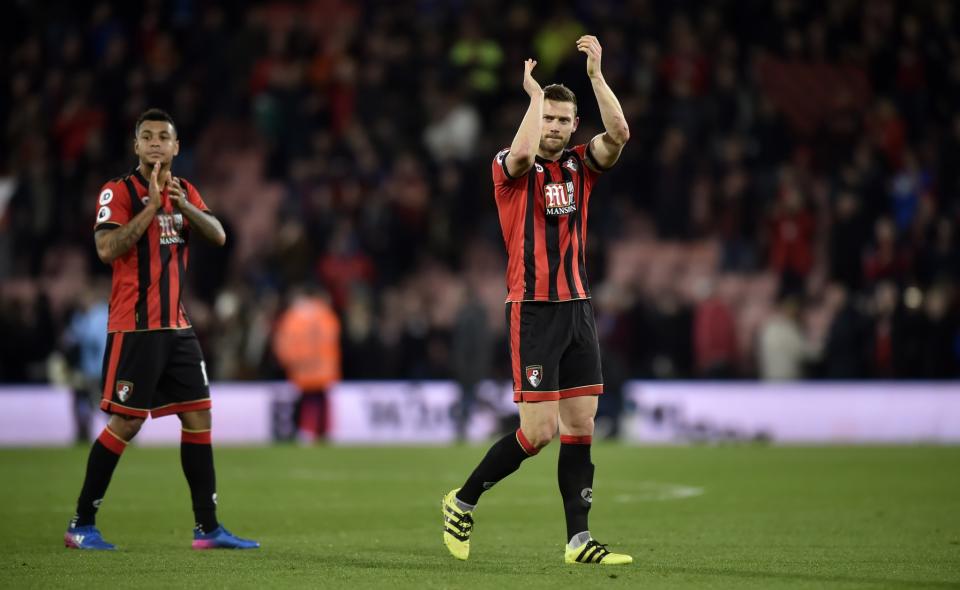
542,190
153,365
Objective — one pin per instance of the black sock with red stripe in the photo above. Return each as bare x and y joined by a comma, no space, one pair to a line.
104,456
575,476
196,457
503,458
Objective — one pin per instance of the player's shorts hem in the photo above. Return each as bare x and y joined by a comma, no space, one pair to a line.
552,396
535,396
187,326
115,408
581,390
191,406
584,297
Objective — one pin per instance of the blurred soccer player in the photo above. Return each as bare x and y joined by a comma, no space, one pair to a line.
153,364
542,190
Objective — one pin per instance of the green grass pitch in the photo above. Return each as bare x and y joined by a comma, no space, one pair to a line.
699,517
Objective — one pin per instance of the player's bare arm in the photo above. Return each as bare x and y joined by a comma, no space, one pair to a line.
523,150
114,243
202,221
605,147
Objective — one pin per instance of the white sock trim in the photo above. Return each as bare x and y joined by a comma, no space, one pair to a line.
579,540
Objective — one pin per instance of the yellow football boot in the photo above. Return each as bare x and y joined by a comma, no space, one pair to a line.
457,526
595,553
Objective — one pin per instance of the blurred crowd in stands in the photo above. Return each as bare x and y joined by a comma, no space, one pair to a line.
787,208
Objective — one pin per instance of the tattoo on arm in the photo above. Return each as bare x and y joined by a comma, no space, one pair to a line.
204,222
115,243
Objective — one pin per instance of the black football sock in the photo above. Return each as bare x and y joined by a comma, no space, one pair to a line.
575,476
104,456
196,457
503,458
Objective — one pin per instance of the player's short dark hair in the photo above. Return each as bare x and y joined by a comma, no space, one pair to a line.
153,115
560,93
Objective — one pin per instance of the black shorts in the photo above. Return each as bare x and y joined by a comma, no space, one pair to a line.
154,372
554,351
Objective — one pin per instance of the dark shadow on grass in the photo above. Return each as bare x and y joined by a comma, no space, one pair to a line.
822,578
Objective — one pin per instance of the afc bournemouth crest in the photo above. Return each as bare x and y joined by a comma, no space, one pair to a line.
535,374
124,390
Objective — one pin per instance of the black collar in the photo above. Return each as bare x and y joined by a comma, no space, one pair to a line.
143,181
540,160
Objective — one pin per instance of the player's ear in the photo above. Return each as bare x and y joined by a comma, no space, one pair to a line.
176,147
576,123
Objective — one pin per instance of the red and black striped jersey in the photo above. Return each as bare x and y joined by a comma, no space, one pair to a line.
543,215
148,278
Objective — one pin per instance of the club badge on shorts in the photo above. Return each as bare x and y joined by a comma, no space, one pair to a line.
124,390
535,374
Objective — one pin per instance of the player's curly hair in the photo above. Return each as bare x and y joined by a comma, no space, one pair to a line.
560,93
153,115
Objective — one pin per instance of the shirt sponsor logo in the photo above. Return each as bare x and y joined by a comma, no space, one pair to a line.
103,214
558,198
170,228
106,196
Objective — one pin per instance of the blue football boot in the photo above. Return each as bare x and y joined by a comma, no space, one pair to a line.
85,537
221,538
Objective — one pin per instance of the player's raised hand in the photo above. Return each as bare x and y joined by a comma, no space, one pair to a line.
590,45
155,201
529,84
176,192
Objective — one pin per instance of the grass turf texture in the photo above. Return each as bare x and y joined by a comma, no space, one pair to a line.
732,517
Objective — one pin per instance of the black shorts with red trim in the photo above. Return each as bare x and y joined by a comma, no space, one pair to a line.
154,373
554,350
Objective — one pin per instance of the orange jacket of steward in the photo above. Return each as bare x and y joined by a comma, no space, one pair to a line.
307,344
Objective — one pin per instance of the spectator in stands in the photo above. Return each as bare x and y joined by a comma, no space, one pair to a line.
791,229
940,343
887,259
848,234
784,350
714,335
847,349
885,339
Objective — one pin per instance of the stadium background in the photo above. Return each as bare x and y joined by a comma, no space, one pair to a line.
792,163
786,210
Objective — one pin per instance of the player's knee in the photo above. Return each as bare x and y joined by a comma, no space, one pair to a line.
541,435
580,425
126,427
197,420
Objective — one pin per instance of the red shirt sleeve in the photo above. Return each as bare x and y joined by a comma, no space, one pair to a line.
193,195
113,206
499,167
589,174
